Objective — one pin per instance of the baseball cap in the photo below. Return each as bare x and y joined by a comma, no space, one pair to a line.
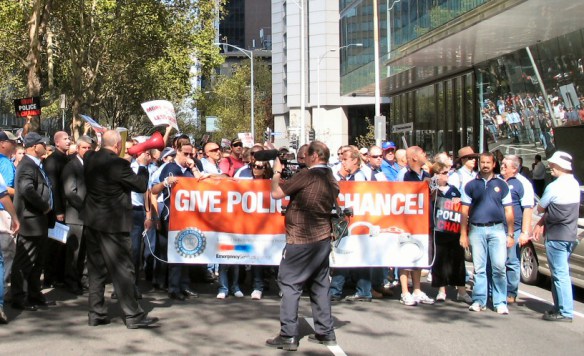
33,138
562,159
235,140
363,150
388,145
7,136
167,151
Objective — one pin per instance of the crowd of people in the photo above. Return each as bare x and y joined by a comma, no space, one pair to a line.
114,205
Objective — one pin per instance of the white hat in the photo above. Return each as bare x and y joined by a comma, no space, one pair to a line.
363,150
562,159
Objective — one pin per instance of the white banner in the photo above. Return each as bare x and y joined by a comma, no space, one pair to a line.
160,112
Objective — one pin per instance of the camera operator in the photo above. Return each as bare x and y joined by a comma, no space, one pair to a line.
305,259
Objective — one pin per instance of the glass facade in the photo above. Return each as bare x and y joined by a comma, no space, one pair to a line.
400,22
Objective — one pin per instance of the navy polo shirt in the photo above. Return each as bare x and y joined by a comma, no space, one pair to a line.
522,197
487,200
412,176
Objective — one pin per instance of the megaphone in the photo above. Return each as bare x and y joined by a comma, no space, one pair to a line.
155,141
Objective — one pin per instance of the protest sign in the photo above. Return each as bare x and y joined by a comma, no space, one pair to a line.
94,125
28,106
238,222
160,112
447,215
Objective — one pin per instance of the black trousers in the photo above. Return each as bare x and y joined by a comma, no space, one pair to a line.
305,266
27,268
75,257
111,253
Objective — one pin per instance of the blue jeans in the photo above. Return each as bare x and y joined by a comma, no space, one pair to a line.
363,276
513,265
489,242
258,277
558,254
1,280
224,286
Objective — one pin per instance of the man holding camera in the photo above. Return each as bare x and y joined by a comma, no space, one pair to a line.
305,259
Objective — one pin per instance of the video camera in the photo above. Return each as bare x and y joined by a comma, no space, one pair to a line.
288,168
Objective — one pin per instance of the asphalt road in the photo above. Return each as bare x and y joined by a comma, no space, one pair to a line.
207,326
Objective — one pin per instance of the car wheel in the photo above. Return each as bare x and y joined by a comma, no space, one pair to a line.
529,265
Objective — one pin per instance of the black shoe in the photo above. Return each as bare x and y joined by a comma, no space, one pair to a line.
98,322
283,342
114,295
190,293
177,296
23,306
42,302
324,340
357,298
145,322
335,298
556,317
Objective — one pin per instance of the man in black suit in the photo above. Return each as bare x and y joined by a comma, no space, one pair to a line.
55,251
75,191
34,203
107,216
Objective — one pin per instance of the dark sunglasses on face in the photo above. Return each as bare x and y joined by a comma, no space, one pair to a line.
214,150
189,154
443,173
237,145
376,156
258,166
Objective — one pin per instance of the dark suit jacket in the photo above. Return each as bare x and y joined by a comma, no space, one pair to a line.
74,190
32,198
53,166
109,181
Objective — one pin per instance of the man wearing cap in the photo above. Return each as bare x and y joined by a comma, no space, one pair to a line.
560,202
466,172
229,165
389,165
33,201
74,190
7,171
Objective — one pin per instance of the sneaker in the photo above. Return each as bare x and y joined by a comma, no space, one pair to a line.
422,298
408,299
357,298
256,295
476,307
238,294
464,298
441,297
221,295
429,277
554,316
502,310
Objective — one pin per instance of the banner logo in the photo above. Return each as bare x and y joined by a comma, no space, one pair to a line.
190,243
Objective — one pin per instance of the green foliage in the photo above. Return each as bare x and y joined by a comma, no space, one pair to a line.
230,101
368,139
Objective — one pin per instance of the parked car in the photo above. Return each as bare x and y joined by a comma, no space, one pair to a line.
534,262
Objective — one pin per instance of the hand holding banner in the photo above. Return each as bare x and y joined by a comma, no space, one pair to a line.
94,125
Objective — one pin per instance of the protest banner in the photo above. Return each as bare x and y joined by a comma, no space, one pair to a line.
246,139
160,112
237,222
28,106
447,215
94,125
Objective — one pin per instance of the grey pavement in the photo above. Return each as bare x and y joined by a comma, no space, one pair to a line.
207,326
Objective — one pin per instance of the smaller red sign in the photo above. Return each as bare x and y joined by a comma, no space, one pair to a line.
28,106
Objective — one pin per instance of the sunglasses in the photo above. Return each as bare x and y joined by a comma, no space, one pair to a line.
376,156
188,154
214,150
443,173
258,166
237,145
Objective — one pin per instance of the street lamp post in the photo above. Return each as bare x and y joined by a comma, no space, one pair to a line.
322,56
249,55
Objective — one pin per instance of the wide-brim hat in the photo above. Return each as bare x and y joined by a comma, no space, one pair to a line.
562,159
466,152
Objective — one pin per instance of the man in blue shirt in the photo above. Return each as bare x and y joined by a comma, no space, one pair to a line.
389,165
486,205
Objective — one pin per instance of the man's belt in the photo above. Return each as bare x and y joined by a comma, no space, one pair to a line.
493,223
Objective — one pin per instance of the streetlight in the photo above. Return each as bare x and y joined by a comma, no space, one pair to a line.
318,71
302,140
249,55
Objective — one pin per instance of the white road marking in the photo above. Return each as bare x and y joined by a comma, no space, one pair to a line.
336,350
543,300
